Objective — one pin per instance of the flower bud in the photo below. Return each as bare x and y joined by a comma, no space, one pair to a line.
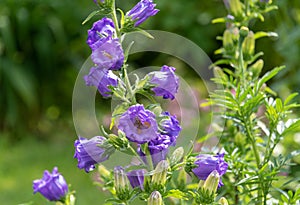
244,31
223,201
177,156
228,41
104,173
212,181
159,177
256,68
248,46
121,183
235,7
155,199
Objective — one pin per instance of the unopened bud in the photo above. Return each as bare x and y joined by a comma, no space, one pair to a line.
223,201
218,73
177,156
155,199
256,68
212,182
244,31
159,177
248,46
121,183
103,172
235,7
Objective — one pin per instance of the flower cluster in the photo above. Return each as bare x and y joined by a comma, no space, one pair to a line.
145,131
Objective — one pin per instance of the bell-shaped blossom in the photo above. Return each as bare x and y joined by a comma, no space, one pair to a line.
159,147
109,55
142,11
165,81
52,186
207,163
136,178
171,125
102,31
138,124
101,79
91,151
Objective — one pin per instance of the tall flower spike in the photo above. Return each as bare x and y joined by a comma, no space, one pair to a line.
52,186
142,11
165,82
101,79
138,124
88,152
207,163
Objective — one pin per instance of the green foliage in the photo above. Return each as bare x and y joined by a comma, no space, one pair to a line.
256,121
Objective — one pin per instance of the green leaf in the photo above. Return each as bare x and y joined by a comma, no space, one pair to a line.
290,98
91,15
268,76
219,20
176,194
119,110
262,34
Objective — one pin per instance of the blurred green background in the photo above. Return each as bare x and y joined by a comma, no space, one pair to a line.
42,48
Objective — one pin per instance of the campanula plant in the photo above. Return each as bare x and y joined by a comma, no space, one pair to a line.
244,169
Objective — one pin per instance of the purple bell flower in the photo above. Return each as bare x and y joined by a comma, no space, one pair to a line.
136,178
52,186
101,78
138,124
208,163
142,11
170,126
102,31
109,55
88,152
165,81
159,147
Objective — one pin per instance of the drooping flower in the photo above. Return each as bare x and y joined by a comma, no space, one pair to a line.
102,31
88,152
207,163
101,78
159,147
165,81
138,124
142,11
136,178
171,125
109,55
52,186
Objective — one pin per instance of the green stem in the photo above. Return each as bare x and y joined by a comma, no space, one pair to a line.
241,63
115,19
128,86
